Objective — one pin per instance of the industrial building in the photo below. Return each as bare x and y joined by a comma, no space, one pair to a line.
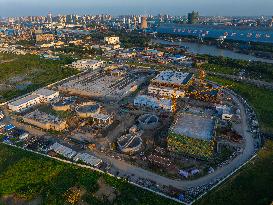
24,103
192,135
170,83
104,85
92,110
87,64
88,159
102,119
165,91
63,105
153,103
63,150
40,96
45,121
46,95
173,79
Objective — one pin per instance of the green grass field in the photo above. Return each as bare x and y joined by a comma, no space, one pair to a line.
253,70
252,185
18,70
259,98
30,176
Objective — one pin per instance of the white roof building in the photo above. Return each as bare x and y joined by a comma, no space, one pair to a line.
153,103
172,78
25,102
39,96
62,150
88,159
46,94
87,64
165,91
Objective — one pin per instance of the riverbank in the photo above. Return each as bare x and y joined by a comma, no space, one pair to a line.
258,49
196,47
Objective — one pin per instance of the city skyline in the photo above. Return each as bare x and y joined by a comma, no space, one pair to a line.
141,7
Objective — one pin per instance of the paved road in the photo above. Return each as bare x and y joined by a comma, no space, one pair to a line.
128,169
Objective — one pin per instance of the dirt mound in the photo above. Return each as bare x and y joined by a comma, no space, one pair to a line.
14,200
106,192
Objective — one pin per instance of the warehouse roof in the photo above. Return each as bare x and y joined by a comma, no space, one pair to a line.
45,92
173,77
24,100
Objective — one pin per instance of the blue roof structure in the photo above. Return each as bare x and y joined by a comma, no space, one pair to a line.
9,127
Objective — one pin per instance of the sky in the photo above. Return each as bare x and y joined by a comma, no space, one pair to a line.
117,7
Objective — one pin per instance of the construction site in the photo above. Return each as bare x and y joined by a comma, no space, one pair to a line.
106,84
168,122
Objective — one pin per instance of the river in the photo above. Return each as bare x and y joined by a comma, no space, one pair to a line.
197,48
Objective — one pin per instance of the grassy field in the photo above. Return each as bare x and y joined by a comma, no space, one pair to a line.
259,98
19,70
253,70
29,176
252,185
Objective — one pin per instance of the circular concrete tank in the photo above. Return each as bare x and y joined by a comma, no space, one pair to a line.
88,109
148,121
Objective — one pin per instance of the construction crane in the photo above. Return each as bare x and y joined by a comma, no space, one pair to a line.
202,75
174,99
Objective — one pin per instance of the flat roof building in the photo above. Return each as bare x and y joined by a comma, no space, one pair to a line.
172,78
39,96
46,94
45,121
24,103
170,83
153,103
88,159
87,64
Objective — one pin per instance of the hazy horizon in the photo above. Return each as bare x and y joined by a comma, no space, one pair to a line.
119,7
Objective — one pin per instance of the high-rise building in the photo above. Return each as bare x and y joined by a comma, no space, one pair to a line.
193,17
135,22
144,24
271,22
49,17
